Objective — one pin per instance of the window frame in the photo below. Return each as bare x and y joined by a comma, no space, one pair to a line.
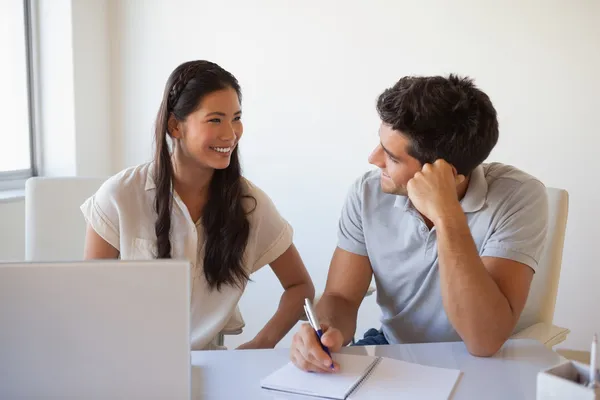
14,180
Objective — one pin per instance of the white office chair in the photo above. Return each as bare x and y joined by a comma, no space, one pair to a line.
55,227
542,295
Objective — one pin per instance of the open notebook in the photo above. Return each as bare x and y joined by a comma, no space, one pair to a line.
366,377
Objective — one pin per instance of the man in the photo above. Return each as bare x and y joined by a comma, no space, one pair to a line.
452,243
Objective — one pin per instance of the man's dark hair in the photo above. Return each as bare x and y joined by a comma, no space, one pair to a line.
447,118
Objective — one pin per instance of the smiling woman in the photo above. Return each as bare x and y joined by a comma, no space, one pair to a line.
192,203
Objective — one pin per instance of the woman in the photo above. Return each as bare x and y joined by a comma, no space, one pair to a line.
193,203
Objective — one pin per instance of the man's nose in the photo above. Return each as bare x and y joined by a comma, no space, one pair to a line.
376,157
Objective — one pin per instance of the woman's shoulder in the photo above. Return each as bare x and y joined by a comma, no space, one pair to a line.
250,188
120,195
258,203
259,197
270,232
128,182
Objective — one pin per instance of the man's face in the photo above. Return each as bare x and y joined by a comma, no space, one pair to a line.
390,155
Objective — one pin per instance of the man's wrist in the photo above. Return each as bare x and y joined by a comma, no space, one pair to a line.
451,218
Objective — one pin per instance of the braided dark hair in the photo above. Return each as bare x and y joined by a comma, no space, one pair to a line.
224,219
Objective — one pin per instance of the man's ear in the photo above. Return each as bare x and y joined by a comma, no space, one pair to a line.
457,177
174,127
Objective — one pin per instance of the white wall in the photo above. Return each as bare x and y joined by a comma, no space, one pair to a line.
311,71
91,65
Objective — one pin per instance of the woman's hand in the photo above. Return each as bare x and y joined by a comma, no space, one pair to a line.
255,344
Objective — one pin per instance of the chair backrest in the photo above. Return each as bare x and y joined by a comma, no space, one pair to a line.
542,295
54,224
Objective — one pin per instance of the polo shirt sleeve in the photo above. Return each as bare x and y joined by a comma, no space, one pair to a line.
350,228
520,234
101,212
270,233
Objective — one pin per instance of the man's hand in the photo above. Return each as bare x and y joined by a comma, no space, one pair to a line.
307,354
433,191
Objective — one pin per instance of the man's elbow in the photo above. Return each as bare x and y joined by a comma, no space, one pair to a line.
310,290
484,347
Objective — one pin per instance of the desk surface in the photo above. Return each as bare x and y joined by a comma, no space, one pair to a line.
510,374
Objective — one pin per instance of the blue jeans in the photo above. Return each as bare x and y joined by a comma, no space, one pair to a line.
372,337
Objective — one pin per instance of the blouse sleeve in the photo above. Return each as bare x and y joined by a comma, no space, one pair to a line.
270,232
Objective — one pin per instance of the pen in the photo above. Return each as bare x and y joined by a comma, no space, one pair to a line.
593,366
314,322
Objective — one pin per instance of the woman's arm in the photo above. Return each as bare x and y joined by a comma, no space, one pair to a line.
297,285
96,247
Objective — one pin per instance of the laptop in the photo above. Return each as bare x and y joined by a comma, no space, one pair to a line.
95,330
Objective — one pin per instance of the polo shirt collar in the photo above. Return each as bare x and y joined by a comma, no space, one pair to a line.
473,200
476,195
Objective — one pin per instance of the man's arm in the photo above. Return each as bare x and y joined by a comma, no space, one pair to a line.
483,297
348,280
347,283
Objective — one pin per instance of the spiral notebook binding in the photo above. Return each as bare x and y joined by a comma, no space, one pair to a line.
366,376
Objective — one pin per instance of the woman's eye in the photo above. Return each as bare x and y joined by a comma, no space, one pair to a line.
238,118
215,120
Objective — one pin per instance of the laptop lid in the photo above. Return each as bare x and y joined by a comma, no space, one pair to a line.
95,330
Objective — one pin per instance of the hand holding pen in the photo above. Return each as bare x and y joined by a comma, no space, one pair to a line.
313,344
314,322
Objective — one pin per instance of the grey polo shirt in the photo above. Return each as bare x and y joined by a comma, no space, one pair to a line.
507,212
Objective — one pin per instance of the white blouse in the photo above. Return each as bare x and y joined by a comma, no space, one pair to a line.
122,213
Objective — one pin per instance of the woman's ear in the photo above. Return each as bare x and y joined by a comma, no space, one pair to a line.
174,127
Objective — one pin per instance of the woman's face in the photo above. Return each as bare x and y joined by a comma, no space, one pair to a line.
209,135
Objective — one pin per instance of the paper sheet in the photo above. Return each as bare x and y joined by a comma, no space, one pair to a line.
395,379
389,379
333,386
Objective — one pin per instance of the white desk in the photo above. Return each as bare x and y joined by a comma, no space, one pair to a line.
510,374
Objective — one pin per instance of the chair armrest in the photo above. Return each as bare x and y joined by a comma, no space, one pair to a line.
219,341
548,334
232,332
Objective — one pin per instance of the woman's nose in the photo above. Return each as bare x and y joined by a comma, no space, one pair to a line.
229,133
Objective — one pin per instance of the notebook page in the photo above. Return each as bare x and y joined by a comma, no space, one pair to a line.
395,379
328,385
